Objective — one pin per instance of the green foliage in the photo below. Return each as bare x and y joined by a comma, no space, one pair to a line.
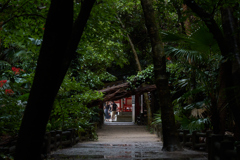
145,76
11,114
13,99
29,16
193,72
194,123
70,110
21,37
157,119
6,157
197,47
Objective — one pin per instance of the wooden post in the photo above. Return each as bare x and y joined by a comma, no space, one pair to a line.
224,146
214,149
71,137
238,151
185,138
152,103
59,138
137,107
101,115
180,135
47,143
208,135
195,140
53,140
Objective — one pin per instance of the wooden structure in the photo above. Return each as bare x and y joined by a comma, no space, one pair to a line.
119,91
193,141
124,91
124,104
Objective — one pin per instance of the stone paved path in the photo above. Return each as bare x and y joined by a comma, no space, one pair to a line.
126,141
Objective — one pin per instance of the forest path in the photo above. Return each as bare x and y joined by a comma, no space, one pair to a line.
124,140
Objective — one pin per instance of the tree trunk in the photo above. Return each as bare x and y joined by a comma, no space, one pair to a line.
170,138
187,21
54,59
232,41
178,8
220,112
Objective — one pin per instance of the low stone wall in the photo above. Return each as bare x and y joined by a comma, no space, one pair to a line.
195,140
222,148
57,139
157,129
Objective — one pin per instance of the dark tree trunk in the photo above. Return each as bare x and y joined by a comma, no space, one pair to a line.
137,106
60,41
232,41
170,138
220,109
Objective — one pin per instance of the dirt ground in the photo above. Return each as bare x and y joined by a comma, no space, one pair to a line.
124,140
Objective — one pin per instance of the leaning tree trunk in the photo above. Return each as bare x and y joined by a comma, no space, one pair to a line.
146,99
55,52
145,95
170,138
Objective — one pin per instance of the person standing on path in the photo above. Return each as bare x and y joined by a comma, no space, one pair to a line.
114,109
106,111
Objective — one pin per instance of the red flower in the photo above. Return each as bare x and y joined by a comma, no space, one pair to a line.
2,82
169,58
17,70
9,91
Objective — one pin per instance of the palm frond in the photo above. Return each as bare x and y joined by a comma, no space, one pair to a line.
198,113
21,55
172,37
196,47
204,41
193,123
183,53
157,119
183,83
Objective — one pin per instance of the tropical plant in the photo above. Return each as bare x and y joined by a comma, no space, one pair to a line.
198,56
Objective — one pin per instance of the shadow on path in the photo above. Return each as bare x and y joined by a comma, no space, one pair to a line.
124,140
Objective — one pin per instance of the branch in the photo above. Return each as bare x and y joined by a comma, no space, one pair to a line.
78,28
111,89
210,23
17,16
22,5
216,6
109,96
132,46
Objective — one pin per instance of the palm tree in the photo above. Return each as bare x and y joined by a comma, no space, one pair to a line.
202,49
